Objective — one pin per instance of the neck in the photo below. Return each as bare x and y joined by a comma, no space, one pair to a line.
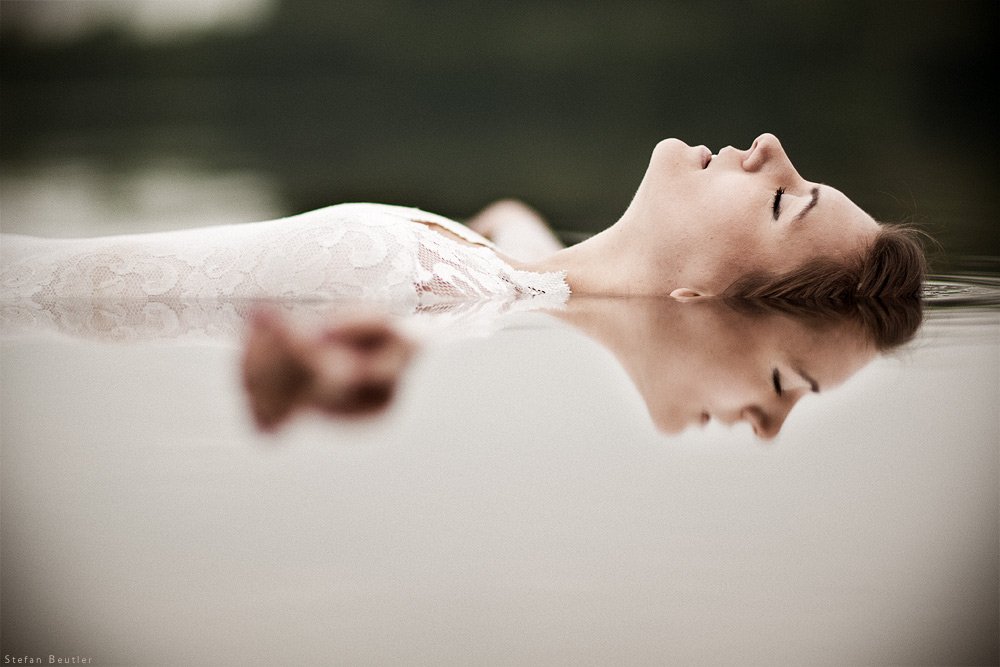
653,340
622,260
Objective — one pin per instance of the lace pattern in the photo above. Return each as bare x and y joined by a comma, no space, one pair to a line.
172,283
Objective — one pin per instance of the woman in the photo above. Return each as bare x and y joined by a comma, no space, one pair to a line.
730,360
740,360
742,222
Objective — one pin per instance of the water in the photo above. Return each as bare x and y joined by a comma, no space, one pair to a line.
516,505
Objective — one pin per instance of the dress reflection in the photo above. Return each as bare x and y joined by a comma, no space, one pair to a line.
710,359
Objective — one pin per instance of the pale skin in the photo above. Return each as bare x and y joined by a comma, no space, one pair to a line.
696,224
692,362
701,361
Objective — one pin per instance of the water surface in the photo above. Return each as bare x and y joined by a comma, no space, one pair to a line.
515,506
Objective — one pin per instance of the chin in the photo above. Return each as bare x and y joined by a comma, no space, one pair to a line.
669,146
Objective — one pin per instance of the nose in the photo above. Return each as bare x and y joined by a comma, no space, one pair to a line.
766,424
767,153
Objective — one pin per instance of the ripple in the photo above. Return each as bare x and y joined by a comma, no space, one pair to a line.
962,290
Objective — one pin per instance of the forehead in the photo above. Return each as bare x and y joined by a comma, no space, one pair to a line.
850,215
830,354
837,202
836,225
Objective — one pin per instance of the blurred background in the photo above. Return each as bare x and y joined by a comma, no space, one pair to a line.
126,115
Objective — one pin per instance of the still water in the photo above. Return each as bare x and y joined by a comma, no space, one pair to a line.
517,504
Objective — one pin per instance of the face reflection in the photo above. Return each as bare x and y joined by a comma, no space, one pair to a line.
731,367
742,211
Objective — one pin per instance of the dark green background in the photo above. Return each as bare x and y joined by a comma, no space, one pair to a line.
447,105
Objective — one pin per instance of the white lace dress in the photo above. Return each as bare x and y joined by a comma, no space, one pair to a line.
172,284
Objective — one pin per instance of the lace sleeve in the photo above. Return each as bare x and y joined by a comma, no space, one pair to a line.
321,254
171,284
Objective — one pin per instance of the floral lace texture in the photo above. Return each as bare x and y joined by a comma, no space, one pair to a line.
129,286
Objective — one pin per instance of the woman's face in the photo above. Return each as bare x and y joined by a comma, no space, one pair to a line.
742,211
720,365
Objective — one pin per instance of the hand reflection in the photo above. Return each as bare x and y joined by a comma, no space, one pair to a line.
348,369
692,361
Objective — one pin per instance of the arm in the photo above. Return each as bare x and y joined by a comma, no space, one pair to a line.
517,230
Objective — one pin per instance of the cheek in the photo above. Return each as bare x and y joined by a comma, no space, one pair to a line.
820,235
730,249
737,391
734,218
730,371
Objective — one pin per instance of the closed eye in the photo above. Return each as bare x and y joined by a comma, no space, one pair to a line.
776,379
776,206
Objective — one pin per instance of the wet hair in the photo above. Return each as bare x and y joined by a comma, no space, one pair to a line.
884,323
892,266
877,288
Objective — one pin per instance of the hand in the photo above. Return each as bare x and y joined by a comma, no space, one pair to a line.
518,230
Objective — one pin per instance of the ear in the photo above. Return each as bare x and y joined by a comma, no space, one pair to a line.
686,294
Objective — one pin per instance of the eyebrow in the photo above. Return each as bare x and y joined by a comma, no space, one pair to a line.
809,206
813,385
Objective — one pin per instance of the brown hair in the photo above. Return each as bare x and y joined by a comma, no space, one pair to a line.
878,288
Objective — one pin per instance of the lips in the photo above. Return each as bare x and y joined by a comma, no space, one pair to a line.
706,156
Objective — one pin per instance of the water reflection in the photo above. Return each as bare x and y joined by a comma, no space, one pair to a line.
514,474
692,362
739,360
347,370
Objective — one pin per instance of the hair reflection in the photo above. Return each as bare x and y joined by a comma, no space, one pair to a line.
730,360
